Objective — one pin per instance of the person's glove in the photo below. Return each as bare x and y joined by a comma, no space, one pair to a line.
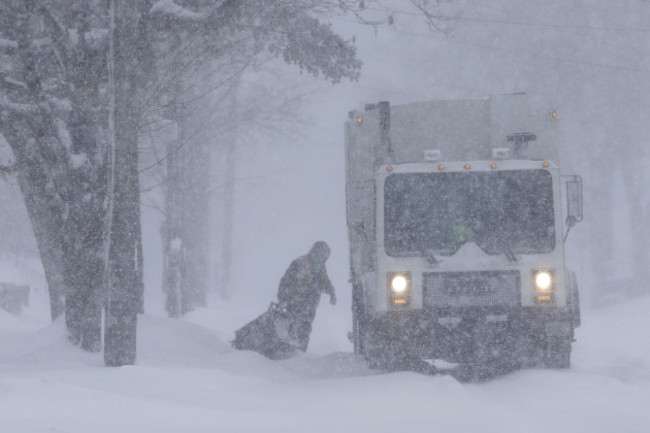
333,299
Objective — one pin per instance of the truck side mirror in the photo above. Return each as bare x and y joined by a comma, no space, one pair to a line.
573,201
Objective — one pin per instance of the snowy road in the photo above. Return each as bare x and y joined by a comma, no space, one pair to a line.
187,379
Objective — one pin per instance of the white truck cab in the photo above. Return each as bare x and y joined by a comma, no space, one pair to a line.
456,229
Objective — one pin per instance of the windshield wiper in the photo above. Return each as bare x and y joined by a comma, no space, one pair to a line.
431,258
429,255
507,251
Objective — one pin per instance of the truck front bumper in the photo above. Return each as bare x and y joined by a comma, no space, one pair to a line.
469,335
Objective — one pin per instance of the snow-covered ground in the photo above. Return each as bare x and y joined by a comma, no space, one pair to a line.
188,379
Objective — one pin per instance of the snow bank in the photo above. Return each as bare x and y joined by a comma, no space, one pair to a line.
187,378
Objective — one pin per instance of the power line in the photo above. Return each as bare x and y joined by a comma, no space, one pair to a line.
556,26
523,23
473,44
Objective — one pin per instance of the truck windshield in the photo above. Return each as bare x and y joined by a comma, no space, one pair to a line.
503,212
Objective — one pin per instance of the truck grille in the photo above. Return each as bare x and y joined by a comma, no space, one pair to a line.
471,289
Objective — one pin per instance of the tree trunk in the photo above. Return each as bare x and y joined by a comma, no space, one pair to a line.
172,231
602,246
185,232
635,186
125,285
62,201
44,211
83,269
195,212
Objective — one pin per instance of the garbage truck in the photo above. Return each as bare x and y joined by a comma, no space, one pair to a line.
457,216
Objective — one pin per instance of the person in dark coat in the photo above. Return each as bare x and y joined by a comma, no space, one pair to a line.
300,289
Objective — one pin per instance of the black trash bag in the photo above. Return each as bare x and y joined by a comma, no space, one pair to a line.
270,334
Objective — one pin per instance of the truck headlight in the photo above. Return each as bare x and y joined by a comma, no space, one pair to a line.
543,281
399,283
399,288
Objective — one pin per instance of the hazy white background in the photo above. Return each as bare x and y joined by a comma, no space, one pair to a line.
588,59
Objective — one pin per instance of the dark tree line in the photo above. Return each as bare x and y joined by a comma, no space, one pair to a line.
75,81
78,78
